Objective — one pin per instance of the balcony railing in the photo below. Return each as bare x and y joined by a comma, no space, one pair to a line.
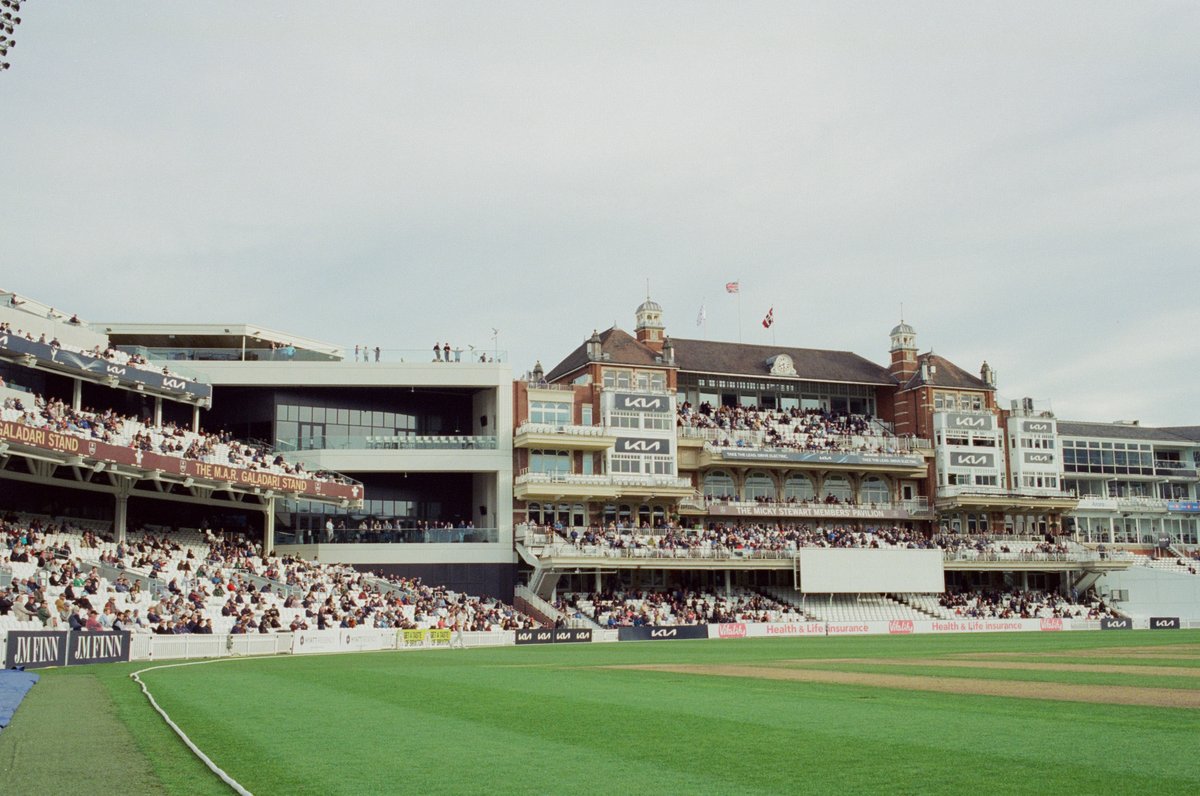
916,505
615,479
744,439
550,428
258,353
393,536
389,442
971,490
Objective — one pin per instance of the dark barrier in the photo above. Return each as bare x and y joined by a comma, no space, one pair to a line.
650,633
35,649
109,647
1165,623
561,636
1116,624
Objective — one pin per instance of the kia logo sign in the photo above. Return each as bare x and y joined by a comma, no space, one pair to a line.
115,370
174,384
972,460
1038,427
664,632
982,422
1165,623
1116,624
642,446
642,403
1039,458
901,626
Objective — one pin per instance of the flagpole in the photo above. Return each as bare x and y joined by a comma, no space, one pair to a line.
739,284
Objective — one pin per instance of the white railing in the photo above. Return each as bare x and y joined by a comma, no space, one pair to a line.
549,428
618,479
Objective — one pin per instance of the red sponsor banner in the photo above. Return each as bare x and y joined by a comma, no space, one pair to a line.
901,626
1052,624
731,630
95,450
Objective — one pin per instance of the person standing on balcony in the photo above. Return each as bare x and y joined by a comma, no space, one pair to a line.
437,352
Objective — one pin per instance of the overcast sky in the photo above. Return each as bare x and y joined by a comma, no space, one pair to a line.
1025,178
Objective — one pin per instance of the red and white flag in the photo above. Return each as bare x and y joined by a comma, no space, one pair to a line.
770,319
732,287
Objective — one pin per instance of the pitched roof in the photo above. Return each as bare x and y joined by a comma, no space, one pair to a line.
1191,433
1075,428
945,374
704,356
621,347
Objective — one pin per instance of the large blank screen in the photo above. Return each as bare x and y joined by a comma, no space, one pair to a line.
850,570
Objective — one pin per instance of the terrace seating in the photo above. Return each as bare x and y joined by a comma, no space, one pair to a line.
202,583
679,607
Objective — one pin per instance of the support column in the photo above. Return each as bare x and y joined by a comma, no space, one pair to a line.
598,584
269,528
77,395
196,419
121,512
728,590
158,411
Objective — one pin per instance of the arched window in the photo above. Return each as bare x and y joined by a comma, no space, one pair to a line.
718,485
760,486
874,490
798,487
838,486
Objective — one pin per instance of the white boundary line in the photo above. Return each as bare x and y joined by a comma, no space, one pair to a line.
228,780
213,767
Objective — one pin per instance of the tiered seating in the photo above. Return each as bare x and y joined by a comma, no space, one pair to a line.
66,328
202,584
1179,566
1023,605
131,432
795,429
849,607
680,607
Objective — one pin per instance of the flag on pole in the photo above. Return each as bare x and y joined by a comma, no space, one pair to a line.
732,287
702,317
770,319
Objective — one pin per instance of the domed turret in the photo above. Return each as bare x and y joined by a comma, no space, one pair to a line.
649,326
904,351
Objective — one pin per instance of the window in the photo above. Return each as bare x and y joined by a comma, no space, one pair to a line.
586,412
549,462
798,487
552,413
759,486
718,484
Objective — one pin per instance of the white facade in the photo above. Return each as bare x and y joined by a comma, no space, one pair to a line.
969,448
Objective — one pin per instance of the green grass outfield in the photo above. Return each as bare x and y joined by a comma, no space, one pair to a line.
552,719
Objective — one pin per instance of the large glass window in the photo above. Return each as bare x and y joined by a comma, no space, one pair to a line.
552,413
719,485
799,487
550,462
838,487
759,486
875,490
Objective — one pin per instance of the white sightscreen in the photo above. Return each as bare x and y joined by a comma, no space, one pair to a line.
850,570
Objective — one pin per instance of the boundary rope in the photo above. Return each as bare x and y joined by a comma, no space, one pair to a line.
228,780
